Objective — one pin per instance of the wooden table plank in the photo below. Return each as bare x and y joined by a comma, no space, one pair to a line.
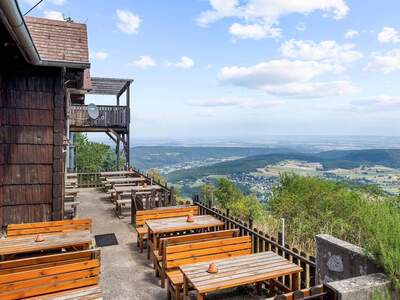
18,245
172,225
242,270
169,225
125,180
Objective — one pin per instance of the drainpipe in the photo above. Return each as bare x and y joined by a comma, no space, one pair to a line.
14,19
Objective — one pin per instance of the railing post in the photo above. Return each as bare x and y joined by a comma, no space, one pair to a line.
250,223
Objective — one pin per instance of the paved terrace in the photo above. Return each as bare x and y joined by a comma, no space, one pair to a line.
125,272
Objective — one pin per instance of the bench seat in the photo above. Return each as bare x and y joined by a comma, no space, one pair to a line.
142,237
142,216
175,256
74,274
86,293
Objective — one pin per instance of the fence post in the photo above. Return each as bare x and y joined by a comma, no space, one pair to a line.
227,212
250,223
209,203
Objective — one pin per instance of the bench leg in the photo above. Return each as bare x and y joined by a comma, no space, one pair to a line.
185,288
178,291
170,290
162,276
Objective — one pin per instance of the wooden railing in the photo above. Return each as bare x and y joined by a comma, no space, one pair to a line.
109,116
263,242
88,180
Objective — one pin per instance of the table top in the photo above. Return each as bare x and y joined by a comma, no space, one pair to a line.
180,224
124,179
239,270
140,188
116,173
26,244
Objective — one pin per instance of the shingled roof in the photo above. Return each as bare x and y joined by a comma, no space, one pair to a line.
59,40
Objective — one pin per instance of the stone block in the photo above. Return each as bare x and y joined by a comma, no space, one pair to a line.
339,260
367,287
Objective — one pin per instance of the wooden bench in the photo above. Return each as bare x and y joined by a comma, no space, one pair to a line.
297,295
187,254
72,275
186,239
152,214
26,229
71,209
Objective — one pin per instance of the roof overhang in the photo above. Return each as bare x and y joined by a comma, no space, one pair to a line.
109,86
11,16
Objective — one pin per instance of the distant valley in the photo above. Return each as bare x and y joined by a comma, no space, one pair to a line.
256,170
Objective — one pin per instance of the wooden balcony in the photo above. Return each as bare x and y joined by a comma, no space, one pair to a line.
110,117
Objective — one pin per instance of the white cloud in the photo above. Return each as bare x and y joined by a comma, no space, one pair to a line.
312,89
385,62
254,31
266,13
351,33
100,55
54,15
241,102
184,63
389,35
287,78
379,103
274,72
326,51
128,22
145,62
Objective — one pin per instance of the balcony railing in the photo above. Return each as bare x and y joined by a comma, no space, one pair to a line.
109,117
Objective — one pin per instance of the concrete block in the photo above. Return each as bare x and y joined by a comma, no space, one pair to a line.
338,260
367,287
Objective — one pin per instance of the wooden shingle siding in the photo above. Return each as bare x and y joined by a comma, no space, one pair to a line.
26,174
27,135
28,117
27,194
31,148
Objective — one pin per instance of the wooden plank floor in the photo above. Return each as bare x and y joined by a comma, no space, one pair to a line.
125,273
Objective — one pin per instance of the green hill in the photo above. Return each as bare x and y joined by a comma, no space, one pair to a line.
346,159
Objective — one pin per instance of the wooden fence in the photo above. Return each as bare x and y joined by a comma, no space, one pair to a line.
89,180
263,242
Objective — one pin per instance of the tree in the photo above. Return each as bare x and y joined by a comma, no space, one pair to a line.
229,196
207,192
95,157
156,175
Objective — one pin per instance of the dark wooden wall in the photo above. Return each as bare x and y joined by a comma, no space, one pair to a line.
32,122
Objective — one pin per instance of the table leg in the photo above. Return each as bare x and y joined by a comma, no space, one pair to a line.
295,282
149,236
258,288
201,296
185,288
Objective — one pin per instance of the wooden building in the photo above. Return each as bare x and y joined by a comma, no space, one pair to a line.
40,60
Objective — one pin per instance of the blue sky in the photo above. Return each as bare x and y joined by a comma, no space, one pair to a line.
221,68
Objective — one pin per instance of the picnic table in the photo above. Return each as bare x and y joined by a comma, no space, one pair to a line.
56,241
172,225
116,173
238,271
141,188
118,180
